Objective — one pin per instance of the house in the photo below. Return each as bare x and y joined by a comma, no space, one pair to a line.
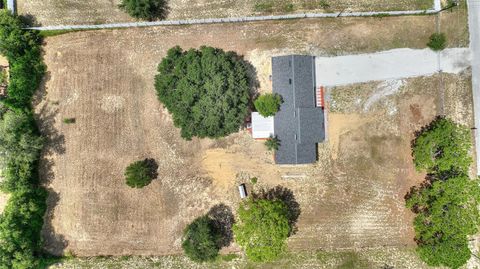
299,124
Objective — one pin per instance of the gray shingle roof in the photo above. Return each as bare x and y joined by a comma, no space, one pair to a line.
299,123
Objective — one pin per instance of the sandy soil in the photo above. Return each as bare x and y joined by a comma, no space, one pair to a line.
351,198
58,12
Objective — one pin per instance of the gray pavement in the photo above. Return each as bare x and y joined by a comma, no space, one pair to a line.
474,28
388,65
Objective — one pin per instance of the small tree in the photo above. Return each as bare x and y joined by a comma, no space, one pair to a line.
140,173
272,143
268,104
443,146
145,9
200,240
263,229
438,41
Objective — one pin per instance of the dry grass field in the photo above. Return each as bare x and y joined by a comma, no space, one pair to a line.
353,197
57,12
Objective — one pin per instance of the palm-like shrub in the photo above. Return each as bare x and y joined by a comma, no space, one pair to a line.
140,173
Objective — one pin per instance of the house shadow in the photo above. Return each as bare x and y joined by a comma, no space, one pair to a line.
286,196
223,220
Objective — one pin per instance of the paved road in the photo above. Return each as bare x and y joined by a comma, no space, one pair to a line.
387,65
474,26
235,19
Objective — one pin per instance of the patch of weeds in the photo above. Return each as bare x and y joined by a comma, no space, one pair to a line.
263,7
69,120
228,257
288,8
437,42
352,260
254,180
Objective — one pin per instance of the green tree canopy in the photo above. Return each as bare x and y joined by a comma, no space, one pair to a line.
20,148
206,91
268,104
263,229
200,240
146,9
140,173
447,203
443,146
447,212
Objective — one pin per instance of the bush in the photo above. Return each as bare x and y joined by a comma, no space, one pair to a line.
145,9
443,146
69,120
263,229
139,174
268,104
206,91
200,240
438,41
272,143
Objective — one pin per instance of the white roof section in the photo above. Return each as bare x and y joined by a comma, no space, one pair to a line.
11,6
262,127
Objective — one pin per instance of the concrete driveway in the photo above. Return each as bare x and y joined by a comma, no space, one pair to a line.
474,28
387,65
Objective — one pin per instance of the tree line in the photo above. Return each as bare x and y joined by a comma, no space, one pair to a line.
20,147
446,203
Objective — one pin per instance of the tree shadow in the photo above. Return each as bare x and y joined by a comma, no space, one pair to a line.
29,20
253,82
285,195
152,167
223,220
53,242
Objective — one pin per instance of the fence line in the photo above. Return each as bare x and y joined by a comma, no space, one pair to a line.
236,19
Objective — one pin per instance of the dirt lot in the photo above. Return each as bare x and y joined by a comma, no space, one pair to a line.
57,12
352,198
399,258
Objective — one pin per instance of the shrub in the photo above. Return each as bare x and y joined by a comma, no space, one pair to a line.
268,104
254,180
200,240
272,143
69,120
140,173
263,229
206,91
438,41
145,9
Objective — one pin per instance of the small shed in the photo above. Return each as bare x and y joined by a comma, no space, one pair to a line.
262,127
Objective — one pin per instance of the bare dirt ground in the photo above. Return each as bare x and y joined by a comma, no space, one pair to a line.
399,258
352,198
58,12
